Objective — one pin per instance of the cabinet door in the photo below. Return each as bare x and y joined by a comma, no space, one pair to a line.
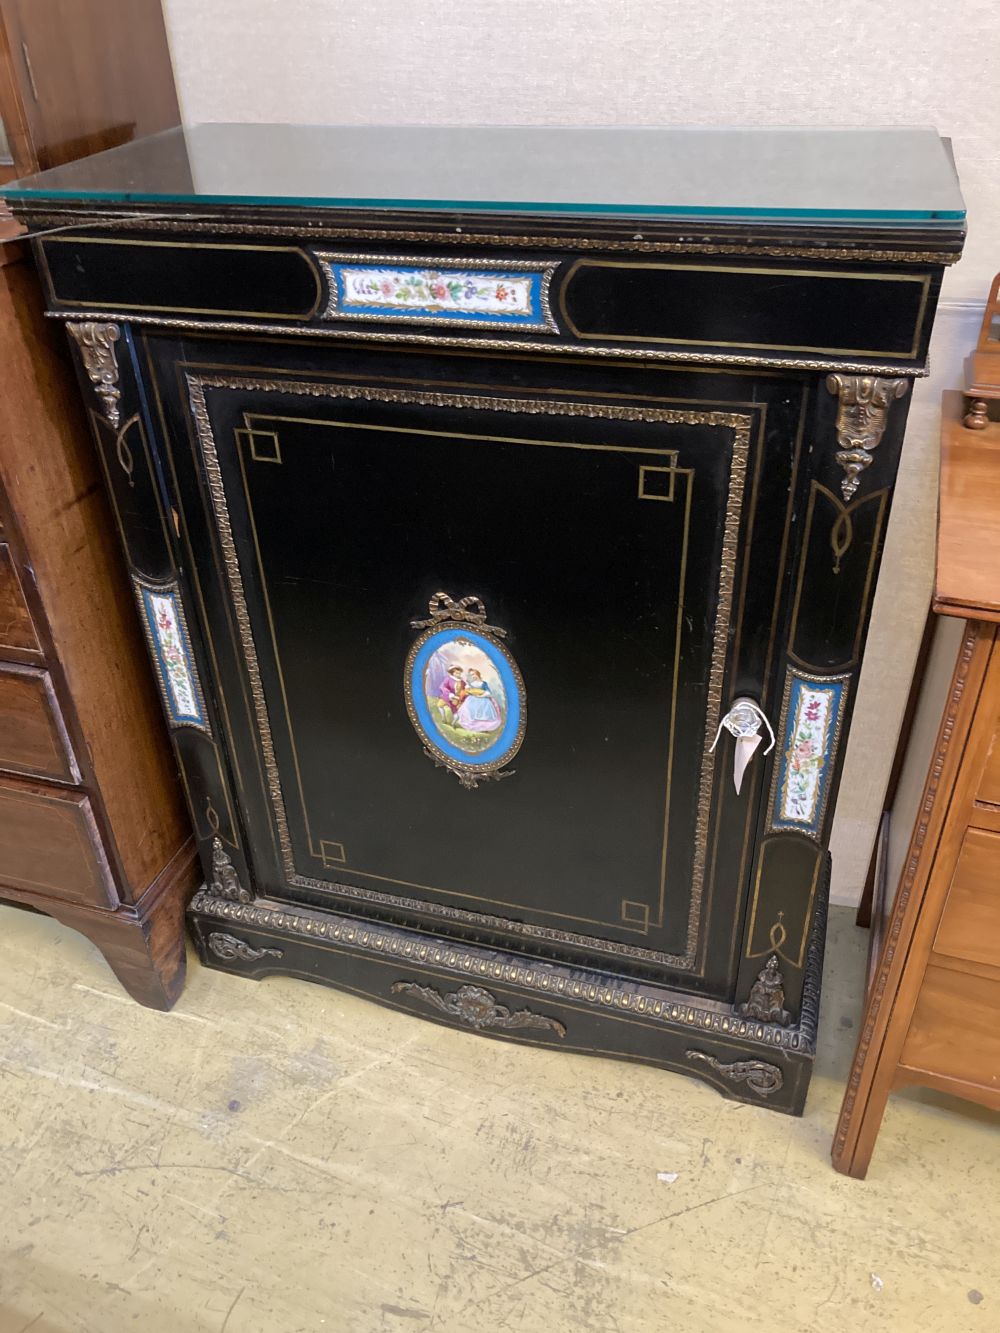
417,569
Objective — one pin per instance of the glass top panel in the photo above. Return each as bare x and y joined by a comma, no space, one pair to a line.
890,175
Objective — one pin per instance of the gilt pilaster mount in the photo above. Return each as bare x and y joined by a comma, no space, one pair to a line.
864,402
97,349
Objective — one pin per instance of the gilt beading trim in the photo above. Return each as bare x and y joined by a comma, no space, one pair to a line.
578,984
626,352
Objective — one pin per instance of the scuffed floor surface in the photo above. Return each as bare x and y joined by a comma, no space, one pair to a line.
277,1158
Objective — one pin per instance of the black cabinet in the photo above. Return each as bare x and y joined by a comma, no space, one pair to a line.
474,549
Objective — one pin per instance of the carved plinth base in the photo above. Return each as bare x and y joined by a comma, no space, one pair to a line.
513,997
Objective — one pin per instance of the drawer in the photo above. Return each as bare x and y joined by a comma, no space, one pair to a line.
955,1028
49,844
970,923
17,633
33,739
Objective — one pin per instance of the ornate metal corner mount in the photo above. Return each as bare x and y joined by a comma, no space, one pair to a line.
225,882
478,1008
97,348
468,610
230,949
469,780
766,1000
861,417
761,1078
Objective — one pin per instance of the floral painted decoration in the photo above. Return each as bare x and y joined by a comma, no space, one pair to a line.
416,289
812,714
375,290
168,639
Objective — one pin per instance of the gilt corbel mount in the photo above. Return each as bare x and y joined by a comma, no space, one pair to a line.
864,402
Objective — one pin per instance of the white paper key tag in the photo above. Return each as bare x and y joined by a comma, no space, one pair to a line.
743,722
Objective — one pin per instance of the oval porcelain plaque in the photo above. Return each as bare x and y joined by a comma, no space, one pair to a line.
465,697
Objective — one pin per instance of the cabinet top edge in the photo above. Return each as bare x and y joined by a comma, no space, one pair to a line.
879,180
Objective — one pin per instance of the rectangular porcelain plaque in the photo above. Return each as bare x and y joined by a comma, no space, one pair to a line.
167,636
809,734
422,291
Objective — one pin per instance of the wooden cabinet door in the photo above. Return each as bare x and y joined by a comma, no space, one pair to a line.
583,548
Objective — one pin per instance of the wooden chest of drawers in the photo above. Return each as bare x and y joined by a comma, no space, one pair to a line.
932,1014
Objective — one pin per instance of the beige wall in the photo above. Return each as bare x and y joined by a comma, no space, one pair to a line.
747,62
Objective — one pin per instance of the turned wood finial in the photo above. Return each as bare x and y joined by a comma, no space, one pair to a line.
976,417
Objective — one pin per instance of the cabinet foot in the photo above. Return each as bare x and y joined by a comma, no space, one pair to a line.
144,945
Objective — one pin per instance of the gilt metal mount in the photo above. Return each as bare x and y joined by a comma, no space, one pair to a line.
766,1000
864,402
761,1078
225,881
97,349
230,949
477,1008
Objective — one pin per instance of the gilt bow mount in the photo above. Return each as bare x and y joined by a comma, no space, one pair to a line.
862,412
467,611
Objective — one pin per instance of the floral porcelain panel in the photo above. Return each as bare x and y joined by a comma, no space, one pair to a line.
438,292
170,645
811,718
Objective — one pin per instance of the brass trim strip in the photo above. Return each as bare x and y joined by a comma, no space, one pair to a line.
739,423
194,582
363,334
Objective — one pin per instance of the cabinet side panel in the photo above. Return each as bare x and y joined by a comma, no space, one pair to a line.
50,474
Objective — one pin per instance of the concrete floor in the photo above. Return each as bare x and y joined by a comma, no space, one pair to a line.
276,1157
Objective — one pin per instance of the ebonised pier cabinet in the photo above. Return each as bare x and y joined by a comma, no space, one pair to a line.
504,510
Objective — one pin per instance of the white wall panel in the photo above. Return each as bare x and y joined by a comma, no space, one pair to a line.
719,62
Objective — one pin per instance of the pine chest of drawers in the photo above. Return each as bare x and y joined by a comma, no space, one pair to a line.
492,500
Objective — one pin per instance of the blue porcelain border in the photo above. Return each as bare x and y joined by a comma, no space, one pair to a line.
809,730
507,740
454,282
177,675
